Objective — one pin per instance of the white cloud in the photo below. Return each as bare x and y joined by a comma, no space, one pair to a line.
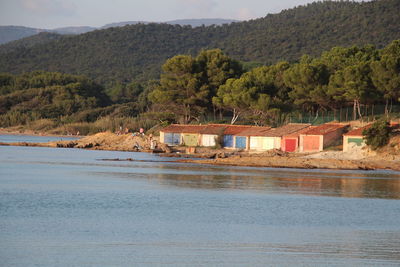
50,7
245,14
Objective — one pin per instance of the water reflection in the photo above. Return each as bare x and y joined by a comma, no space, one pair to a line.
57,205
340,183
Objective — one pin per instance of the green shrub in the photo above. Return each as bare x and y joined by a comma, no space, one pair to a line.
378,134
42,125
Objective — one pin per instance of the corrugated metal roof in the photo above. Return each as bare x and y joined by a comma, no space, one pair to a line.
255,131
287,129
214,129
242,130
302,131
182,128
234,129
325,128
358,131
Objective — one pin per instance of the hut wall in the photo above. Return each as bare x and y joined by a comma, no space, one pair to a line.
172,139
228,141
262,143
290,144
240,142
311,143
190,139
332,137
162,137
277,142
208,139
351,141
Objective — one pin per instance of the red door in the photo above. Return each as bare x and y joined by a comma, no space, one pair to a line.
311,143
290,145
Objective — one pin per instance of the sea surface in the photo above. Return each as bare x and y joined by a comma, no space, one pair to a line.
14,138
70,207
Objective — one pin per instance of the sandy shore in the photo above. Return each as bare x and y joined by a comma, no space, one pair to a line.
100,141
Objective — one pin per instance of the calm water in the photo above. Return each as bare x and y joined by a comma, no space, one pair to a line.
66,207
12,138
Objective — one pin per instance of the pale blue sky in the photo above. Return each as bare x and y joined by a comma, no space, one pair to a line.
59,13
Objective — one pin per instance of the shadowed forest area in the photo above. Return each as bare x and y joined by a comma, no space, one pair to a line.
316,63
342,84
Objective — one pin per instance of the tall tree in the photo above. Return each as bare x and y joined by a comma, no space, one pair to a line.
386,73
354,84
254,93
216,68
308,81
180,88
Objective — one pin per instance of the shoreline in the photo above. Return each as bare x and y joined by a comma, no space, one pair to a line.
275,161
3,131
301,163
272,159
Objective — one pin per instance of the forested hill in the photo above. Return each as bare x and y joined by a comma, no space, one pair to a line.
137,51
28,42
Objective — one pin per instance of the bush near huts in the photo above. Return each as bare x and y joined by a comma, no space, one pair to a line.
378,135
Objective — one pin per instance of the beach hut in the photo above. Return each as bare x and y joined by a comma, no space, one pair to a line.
354,139
319,137
233,137
256,139
211,133
191,135
290,142
275,135
171,135
177,134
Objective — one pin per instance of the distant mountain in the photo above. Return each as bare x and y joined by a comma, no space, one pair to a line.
200,22
137,51
30,41
182,22
12,33
73,30
122,24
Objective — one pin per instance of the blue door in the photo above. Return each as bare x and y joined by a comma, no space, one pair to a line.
240,142
228,140
172,139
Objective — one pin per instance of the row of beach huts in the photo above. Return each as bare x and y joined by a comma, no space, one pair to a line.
293,137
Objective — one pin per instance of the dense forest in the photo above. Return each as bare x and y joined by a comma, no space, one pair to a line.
13,33
136,52
28,42
209,86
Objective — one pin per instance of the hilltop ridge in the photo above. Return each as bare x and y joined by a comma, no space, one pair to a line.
13,33
136,52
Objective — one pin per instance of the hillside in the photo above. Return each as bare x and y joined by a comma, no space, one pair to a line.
42,95
182,22
200,22
13,33
28,42
137,51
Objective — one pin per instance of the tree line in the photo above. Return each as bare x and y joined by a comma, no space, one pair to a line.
213,83
136,52
210,86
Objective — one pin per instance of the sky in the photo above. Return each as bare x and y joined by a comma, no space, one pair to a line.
49,14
